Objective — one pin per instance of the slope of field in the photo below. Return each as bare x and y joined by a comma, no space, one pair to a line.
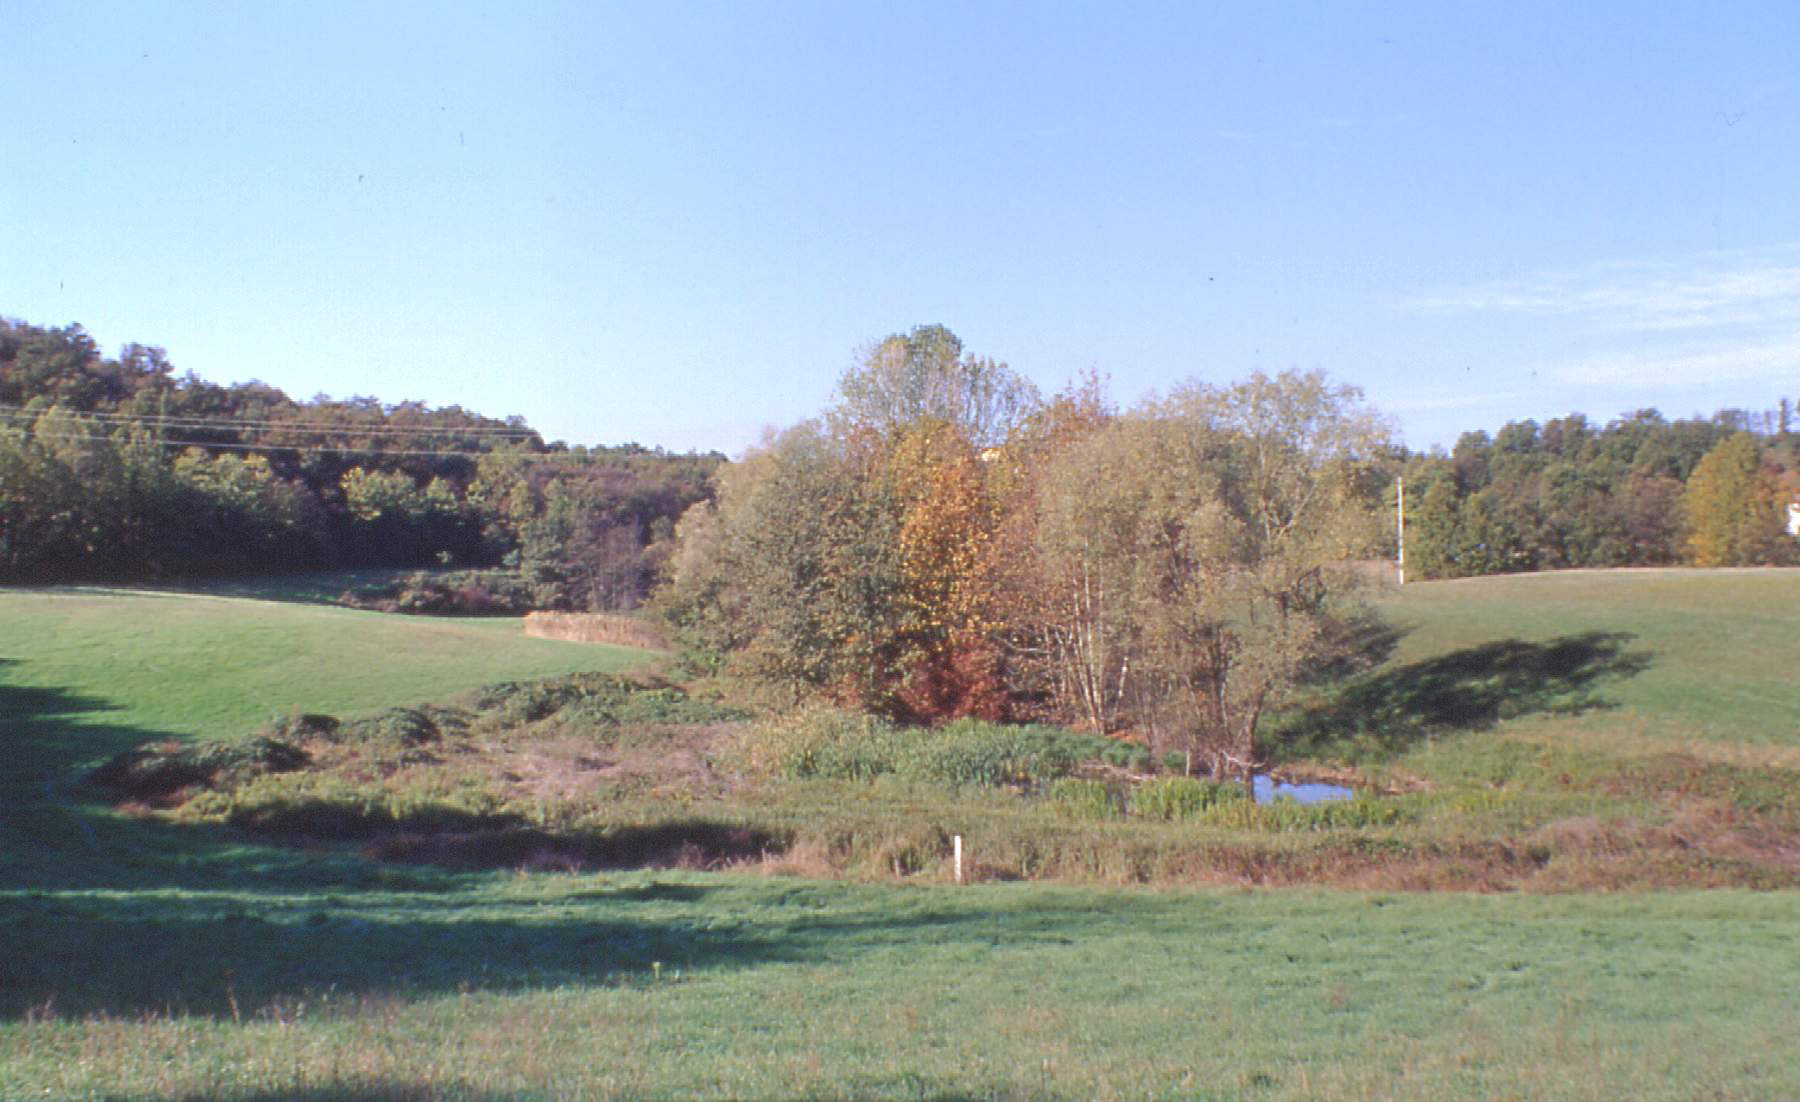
1714,655
156,959
218,667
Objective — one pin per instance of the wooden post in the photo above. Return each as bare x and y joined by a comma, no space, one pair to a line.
956,848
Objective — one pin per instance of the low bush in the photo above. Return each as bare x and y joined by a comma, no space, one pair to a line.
394,727
594,699
160,772
971,752
323,805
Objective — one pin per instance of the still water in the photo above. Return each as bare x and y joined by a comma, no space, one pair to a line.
1267,790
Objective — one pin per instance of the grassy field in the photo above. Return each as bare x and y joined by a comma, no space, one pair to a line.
1709,657
169,958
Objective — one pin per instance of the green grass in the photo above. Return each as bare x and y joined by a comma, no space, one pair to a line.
147,958
689,985
219,667
1720,647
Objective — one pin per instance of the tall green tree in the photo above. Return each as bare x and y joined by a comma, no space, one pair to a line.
793,579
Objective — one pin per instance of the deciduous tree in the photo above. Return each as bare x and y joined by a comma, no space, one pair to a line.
1734,507
1220,527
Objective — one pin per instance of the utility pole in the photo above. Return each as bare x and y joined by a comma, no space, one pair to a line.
1400,526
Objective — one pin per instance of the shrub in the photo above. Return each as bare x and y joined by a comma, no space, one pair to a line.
321,805
452,593
669,705
161,771
816,742
1125,755
394,728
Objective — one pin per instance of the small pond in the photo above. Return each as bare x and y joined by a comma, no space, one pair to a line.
1267,790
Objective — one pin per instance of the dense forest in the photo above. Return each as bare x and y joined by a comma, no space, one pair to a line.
120,469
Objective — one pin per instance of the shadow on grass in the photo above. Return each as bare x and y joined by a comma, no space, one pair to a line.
46,744
1357,645
1384,713
42,734
55,833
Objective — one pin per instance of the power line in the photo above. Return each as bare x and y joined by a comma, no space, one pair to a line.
310,449
271,424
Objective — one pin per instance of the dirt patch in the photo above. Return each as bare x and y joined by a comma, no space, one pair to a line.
574,768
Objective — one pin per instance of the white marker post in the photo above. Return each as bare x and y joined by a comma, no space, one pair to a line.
1400,525
956,849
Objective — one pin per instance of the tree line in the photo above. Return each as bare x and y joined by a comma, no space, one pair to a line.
118,468
1639,491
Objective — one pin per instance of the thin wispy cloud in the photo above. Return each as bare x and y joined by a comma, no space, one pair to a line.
1705,292
1775,360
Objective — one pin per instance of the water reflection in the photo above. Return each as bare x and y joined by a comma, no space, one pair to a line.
1268,790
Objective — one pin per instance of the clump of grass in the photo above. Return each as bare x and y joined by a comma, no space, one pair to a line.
1181,798
1082,798
830,744
1286,814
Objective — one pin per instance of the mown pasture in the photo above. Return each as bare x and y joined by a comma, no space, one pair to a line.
152,956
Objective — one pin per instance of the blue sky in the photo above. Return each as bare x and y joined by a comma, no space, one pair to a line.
676,223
